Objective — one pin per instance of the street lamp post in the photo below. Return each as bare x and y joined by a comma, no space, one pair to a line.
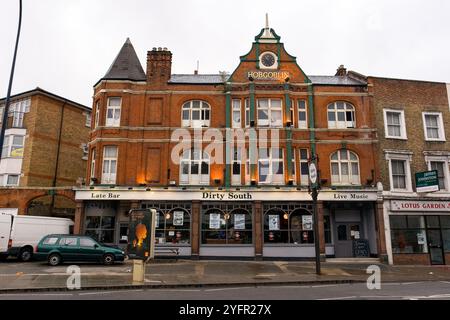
8,95
313,177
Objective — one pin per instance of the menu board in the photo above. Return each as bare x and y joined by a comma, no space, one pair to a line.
178,218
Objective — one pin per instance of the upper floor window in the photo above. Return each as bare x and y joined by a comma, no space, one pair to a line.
269,113
394,124
194,167
97,114
304,168
344,167
196,114
17,111
13,146
113,112
88,119
93,164
236,113
236,166
109,165
270,165
440,164
341,115
399,171
247,113
302,119
433,126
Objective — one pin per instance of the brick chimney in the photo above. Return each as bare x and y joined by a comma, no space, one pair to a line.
341,71
159,65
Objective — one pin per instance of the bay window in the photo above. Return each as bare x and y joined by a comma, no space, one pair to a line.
113,112
109,165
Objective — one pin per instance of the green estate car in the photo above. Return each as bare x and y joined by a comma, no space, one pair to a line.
58,248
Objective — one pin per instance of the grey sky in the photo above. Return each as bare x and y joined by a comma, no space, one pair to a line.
67,45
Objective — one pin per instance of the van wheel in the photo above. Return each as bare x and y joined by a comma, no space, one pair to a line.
54,259
108,259
25,254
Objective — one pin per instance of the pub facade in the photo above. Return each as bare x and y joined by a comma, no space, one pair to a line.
223,158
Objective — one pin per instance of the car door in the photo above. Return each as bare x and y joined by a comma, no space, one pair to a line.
69,248
90,250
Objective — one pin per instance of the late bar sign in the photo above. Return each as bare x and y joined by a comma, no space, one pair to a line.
405,205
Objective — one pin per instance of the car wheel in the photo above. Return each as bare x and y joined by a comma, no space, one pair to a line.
25,254
108,259
54,259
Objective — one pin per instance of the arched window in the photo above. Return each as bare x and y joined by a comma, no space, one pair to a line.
344,167
341,115
173,226
281,227
195,114
219,227
194,167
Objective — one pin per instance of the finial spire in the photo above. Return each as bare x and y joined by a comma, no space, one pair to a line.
267,21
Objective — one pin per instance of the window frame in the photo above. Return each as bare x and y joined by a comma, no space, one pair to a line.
403,134
113,122
349,163
408,181
97,114
198,178
236,109
271,160
445,161
270,110
203,109
109,177
302,124
339,124
440,122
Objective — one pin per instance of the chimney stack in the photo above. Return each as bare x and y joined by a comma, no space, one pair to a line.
159,65
341,71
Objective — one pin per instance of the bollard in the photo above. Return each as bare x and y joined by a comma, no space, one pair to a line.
138,270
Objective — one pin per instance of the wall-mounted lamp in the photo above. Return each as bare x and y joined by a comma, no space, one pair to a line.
148,189
285,216
216,181
253,182
167,216
290,182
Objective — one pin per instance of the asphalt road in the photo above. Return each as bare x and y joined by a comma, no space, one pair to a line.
437,290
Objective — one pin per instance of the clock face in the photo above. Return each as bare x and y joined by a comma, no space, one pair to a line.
268,60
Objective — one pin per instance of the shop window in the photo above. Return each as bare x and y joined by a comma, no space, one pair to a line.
270,166
344,167
269,113
113,112
408,234
173,227
394,124
219,227
236,113
281,227
341,115
101,228
195,114
327,228
194,167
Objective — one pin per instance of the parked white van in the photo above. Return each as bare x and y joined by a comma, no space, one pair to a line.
19,234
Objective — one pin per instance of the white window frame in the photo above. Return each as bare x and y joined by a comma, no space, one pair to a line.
88,122
341,180
204,113
293,175
445,161
10,184
115,120
93,155
440,124
97,114
302,124
9,143
403,135
236,111
407,157
237,158
304,178
247,113
190,157
17,111
271,177
109,177
247,166
339,124
85,148
269,123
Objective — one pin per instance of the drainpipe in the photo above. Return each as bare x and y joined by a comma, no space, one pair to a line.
57,158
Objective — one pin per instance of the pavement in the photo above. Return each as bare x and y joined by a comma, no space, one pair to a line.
37,276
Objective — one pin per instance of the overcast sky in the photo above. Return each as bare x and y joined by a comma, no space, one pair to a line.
67,45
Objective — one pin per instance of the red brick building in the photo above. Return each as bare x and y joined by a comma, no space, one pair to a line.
246,194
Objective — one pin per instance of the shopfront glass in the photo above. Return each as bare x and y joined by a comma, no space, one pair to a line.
281,227
226,227
408,234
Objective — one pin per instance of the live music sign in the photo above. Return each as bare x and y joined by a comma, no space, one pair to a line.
427,206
